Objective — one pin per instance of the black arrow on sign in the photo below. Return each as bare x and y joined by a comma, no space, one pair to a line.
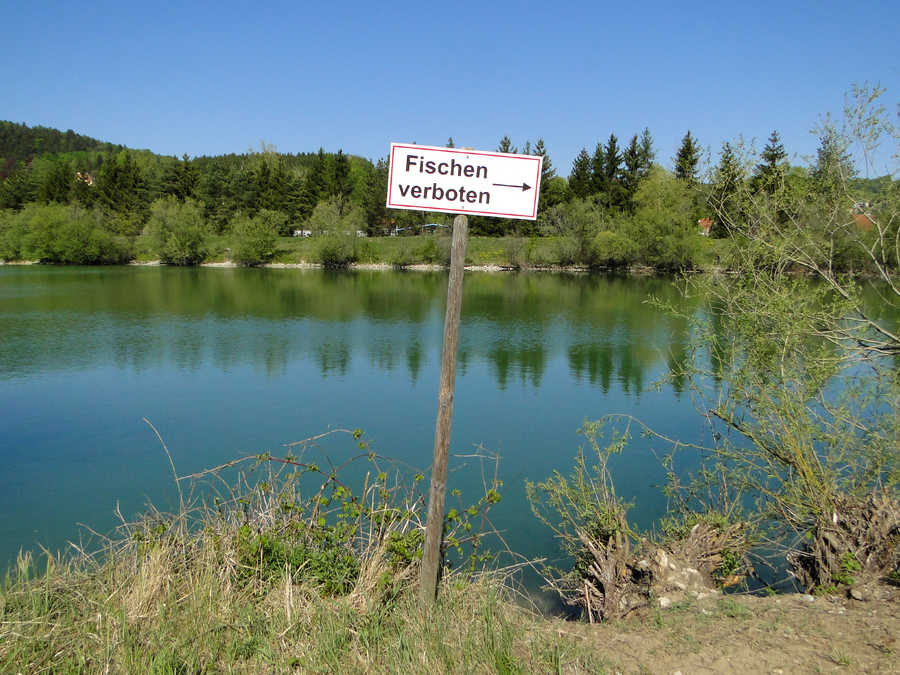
524,186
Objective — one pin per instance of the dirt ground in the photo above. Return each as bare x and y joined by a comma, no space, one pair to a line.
747,634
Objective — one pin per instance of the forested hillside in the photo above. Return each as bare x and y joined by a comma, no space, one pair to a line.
65,197
20,143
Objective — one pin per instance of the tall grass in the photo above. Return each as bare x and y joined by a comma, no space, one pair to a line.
261,574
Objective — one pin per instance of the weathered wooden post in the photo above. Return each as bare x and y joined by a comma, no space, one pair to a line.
434,525
452,180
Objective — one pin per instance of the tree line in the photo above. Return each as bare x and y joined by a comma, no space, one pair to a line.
618,206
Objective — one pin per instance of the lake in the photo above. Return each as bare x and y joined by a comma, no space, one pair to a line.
228,362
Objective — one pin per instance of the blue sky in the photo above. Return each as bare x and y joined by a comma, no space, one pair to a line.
219,77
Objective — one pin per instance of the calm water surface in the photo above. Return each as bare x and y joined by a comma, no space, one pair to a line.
227,362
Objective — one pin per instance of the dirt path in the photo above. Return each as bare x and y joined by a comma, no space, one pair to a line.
745,634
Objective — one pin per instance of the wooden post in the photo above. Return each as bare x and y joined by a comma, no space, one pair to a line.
435,523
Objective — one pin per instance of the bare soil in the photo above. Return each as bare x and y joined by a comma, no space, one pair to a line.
747,634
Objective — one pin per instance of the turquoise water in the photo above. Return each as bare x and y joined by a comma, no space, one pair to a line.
227,362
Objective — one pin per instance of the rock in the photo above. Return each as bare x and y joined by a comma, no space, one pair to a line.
857,594
807,597
664,602
661,559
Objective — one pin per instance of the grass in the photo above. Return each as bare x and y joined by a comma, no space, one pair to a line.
180,607
291,571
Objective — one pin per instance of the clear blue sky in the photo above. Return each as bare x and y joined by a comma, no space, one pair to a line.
219,77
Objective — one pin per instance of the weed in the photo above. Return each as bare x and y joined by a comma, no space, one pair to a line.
733,609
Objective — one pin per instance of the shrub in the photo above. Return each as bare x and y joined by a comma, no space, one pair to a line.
436,250
514,252
613,249
616,569
336,250
12,235
255,237
177,231
56,233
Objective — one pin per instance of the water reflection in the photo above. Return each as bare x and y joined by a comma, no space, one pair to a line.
64,319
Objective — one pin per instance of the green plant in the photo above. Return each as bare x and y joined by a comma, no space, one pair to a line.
336,250
805,409
849,566
733,609
178,231
255,237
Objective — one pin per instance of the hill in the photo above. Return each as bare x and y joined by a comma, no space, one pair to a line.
20,143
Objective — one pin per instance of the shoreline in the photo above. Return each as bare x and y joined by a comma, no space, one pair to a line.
634,270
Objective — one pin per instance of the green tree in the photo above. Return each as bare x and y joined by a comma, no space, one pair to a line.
632,161
341,182
833,169
728,195
580,178
769,175
325,218
374,197
122,190
613,194
647,154
687,159
807,417
181,179
549,196
177,231
255,237
663,227
506,146
18,189
57,184
598,168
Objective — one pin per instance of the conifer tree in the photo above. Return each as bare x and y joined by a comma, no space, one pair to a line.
770,173
612,161
506,146
341,187
580,178
548,197
57,184
727,195
631,173
833,167
547,170
373,204
597,168
687,159
648,154
450,143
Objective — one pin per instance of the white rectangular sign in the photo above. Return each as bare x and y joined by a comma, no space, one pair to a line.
476,182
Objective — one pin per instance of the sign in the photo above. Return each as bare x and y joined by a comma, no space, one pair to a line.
474,182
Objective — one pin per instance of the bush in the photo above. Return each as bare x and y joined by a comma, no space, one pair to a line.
613,249
403,254
577,223
663,227
56,233
336,250
436,250
255,237
616,569
177,231
514,250
12,235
